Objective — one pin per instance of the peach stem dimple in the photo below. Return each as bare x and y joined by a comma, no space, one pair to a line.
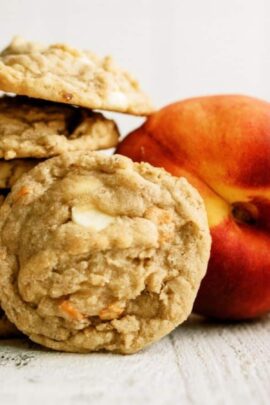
245,212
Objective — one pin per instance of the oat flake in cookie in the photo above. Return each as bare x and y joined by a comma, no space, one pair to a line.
41,129
64,74
98,252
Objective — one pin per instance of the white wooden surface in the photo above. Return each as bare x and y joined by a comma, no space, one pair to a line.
200,363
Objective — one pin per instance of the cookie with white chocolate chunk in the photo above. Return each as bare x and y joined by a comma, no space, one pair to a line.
100,253
64,74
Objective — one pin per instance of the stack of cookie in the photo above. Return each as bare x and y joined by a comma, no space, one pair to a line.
96,252
46,123
41,121
31,130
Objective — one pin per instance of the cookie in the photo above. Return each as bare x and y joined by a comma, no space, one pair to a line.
41,129
12,170
7,329
64,74
100,253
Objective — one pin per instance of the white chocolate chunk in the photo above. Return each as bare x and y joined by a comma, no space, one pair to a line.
90,218
117,99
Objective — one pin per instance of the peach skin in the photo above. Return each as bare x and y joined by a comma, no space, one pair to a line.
221,144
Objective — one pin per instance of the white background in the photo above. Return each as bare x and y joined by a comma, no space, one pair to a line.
176,48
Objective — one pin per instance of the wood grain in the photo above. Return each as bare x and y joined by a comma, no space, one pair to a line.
199,363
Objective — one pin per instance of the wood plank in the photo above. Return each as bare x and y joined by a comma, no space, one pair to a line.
199,363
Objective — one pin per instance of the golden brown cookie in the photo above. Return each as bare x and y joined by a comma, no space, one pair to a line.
98,252
7,329
40,129
12,170
64,74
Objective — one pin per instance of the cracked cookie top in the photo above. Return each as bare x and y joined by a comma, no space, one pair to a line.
98,252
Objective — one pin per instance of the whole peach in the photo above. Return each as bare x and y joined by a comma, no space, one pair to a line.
221,144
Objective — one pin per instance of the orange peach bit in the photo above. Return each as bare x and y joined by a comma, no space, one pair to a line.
24,190
113,311
71,311
67,96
